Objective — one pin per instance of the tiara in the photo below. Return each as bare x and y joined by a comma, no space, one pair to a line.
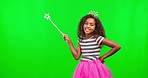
94,13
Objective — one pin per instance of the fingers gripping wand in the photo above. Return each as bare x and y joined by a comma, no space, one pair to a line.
48,18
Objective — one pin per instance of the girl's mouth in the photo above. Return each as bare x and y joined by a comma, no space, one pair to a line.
87,29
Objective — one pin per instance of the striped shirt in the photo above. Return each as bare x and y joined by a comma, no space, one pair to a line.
90,48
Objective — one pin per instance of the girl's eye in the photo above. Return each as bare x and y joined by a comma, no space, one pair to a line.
92,24
85,23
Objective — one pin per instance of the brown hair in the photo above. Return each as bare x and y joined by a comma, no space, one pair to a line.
99,30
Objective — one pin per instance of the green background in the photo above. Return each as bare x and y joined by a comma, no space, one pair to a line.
30,47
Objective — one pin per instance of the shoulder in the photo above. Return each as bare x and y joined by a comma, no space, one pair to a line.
99,39
80,40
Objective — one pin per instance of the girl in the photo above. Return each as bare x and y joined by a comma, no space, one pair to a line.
91,38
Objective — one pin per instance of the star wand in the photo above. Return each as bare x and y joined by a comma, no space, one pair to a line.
48,18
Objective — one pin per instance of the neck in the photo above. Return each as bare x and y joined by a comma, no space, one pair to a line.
88,36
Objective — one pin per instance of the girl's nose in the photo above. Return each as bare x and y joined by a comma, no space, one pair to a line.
88,25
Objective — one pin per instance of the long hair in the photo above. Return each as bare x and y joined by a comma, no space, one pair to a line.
99,30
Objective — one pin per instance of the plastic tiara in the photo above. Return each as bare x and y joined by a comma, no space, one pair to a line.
94,13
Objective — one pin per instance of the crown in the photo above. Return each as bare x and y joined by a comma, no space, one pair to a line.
94,13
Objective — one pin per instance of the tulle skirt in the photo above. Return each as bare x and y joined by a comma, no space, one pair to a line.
91,69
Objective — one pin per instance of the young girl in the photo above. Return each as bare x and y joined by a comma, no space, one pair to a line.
91,38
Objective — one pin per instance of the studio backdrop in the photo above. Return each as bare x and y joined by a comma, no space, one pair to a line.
31,47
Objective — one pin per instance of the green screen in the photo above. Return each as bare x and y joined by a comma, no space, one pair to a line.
31,47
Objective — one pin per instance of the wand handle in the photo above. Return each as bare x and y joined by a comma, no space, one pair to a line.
56,27
48,18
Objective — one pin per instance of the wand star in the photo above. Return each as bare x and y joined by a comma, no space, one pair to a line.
47,16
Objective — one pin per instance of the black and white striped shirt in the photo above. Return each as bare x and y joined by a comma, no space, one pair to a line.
90,48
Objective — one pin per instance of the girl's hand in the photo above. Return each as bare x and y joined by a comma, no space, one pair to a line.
66,38
101,59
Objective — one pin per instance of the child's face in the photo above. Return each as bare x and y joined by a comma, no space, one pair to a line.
89,26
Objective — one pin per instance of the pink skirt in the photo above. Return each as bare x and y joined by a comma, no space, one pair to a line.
92,69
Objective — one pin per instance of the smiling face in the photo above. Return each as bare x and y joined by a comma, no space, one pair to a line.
89,26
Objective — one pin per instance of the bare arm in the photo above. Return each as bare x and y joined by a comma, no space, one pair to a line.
115,47
75,52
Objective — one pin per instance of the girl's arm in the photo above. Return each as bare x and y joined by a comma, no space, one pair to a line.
75,52
115,47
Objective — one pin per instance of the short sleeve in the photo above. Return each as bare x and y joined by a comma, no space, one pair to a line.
79,40
99,40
